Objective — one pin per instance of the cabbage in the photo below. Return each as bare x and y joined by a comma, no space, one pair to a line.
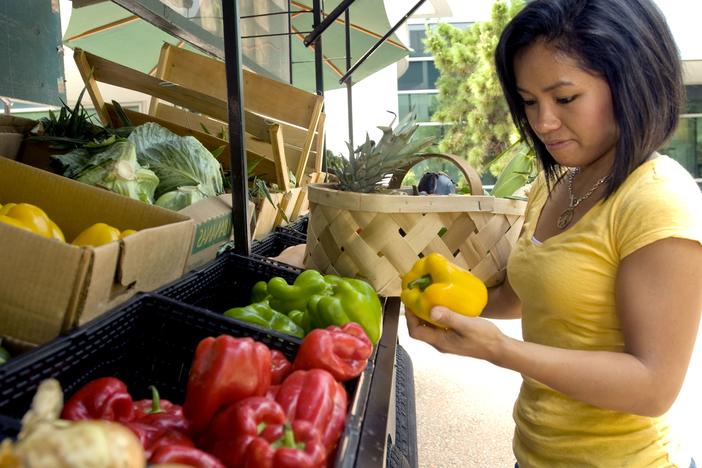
180,198
117,169
177,161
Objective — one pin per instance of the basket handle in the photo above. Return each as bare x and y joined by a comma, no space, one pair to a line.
472,177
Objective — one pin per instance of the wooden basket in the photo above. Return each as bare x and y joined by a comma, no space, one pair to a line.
378,237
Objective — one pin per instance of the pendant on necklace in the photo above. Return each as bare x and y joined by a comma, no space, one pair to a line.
565,218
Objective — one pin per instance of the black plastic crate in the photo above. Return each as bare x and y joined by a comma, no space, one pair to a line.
226,281
297,227
275,242
150,340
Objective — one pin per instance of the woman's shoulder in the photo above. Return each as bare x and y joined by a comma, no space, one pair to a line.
659,199
659,181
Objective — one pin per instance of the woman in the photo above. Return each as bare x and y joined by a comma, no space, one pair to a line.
606,275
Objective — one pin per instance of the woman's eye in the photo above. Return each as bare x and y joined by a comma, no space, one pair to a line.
566,100
528,102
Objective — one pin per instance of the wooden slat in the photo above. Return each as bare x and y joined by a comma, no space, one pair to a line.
281,165
195,71
85,69
307,147
319,147
115,74
262,95
160,74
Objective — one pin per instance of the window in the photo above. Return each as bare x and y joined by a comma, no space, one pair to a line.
417,86
417,33
419,75
686,144
423,104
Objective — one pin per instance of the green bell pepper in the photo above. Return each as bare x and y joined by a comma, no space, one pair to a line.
351,300
285,297
315,300
261,313
4,356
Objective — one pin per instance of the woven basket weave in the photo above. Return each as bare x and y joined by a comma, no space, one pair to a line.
378,237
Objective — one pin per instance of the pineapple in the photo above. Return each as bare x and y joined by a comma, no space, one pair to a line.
371,163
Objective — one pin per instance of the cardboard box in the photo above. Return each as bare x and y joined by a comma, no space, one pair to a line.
12,132
213,227
48,287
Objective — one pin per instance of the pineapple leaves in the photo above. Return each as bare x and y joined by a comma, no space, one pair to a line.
371,163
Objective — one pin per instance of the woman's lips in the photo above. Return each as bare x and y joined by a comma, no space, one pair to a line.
556,144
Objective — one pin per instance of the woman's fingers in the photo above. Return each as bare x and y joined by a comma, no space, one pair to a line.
419,329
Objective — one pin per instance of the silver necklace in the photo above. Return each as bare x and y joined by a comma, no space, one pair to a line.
566,216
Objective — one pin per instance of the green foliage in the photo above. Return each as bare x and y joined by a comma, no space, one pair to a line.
72,128
519,169
470,97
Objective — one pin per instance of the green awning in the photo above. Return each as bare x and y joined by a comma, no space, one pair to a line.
110,31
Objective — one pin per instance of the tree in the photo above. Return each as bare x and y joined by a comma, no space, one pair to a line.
470,99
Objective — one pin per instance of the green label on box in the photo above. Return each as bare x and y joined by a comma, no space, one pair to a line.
212,232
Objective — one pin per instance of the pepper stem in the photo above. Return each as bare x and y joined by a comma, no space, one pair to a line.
155,401
288,439
421,283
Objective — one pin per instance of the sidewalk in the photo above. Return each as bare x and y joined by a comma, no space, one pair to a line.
464,406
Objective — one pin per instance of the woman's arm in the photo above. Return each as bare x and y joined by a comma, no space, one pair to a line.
503,303
659,299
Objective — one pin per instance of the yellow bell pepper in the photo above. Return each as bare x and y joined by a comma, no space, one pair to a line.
96,235
30,218
126,232
434,281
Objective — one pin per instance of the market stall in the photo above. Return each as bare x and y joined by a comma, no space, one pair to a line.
103,327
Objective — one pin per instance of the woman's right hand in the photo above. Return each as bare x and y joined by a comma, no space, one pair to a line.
466,336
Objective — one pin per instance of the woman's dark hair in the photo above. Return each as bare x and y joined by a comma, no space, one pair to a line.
629,44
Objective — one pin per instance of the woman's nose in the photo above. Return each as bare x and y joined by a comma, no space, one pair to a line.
546,120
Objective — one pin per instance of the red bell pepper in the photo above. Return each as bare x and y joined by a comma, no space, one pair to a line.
343,351
182,454
315,396
104,398
293,445
225,370
152,438
281,367
232,429
161,414
169,437
272,392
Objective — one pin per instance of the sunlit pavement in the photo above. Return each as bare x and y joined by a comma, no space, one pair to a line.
464,406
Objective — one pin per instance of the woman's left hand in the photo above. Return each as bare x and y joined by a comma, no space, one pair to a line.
467,336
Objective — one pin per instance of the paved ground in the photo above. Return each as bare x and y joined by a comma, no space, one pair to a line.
464,406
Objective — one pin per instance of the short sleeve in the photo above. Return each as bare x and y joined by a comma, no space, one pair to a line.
662,201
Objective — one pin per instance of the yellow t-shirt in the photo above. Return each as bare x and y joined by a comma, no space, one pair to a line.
566,285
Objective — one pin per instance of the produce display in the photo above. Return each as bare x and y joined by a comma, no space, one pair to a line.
434,281
30,218
245,405
152,164
33,219
313,301
343,351
100,234
46,441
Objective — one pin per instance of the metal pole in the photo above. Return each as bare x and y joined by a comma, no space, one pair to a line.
318,70
380,42
290,53
319,28
235,105
349,84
